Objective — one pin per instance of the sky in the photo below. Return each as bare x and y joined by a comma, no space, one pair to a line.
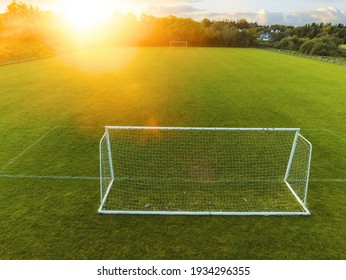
290,12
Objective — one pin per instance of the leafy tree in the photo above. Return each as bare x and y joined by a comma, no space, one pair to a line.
25,25
206,22
292,43
341,34
307,46
243,24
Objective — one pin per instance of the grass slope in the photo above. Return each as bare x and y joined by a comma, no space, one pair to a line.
52,117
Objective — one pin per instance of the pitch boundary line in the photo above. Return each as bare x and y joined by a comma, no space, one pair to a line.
328,130
328,180
23,60
26,149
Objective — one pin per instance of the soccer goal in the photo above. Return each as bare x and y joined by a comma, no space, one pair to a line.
204,171
178,44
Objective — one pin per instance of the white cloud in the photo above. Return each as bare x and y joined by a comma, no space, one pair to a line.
198,10
330,14
263,17
180,11
161,1
325,15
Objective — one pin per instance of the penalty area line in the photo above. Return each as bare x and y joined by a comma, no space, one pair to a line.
50,177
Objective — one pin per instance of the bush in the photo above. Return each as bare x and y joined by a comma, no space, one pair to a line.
320,48
291,43
326,46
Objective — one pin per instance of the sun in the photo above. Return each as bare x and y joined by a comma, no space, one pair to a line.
83,14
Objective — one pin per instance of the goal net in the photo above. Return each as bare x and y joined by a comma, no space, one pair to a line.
204,171
178,44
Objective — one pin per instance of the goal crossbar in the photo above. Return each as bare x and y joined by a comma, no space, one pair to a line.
178,44
203,128
214,183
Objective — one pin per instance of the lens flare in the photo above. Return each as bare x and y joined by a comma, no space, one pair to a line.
83,14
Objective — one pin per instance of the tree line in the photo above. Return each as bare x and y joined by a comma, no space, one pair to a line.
27,31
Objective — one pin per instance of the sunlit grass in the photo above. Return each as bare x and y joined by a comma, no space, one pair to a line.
81,93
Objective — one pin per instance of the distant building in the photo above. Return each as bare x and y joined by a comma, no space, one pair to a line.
264,37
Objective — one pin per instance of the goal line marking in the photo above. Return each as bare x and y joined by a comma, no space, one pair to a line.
27,149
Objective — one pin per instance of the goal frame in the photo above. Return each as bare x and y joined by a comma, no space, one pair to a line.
179,42
302,202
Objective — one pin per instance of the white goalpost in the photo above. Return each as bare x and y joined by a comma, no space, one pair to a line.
182,44
204,171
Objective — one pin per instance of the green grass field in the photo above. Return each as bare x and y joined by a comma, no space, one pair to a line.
52,116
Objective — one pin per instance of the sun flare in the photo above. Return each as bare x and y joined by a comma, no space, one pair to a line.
84,14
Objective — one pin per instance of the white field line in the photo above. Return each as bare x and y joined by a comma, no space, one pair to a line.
27,149
328,180
343,139
50,177
141,179
23,60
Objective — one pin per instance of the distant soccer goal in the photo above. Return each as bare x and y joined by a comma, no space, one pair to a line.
204,171
180,44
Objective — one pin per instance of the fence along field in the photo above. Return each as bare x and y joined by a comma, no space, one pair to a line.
329,59
53,115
